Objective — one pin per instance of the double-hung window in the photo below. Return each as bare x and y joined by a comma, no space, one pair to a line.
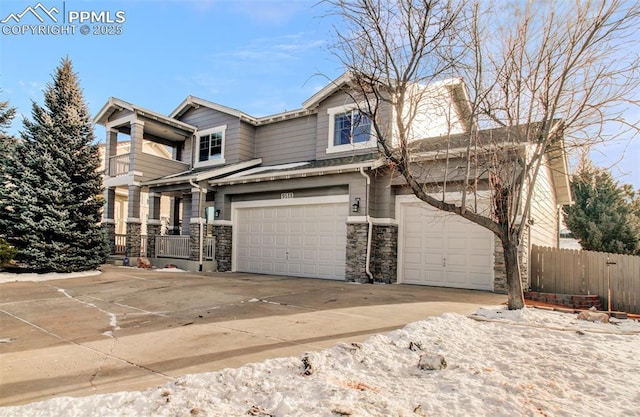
348,129
210,145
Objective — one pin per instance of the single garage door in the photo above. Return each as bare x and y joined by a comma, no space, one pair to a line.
301,240
443,249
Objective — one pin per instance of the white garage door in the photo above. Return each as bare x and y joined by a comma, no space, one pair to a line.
443,249
303,240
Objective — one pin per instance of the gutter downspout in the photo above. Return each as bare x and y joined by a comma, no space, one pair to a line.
201,238
370,232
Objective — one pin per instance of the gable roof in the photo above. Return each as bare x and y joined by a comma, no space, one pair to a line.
115,104
196,102
327,90
455,86
456,145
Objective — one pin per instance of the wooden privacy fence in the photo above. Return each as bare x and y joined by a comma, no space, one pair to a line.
567,271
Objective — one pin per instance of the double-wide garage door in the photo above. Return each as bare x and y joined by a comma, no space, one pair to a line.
298,240
443,249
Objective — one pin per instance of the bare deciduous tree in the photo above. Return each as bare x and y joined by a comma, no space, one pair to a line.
541,77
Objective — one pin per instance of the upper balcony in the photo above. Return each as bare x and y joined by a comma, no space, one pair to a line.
147,167
156,146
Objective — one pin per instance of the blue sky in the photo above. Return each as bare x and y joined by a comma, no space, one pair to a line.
258,56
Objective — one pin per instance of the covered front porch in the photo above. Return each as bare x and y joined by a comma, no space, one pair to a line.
184,238
142,217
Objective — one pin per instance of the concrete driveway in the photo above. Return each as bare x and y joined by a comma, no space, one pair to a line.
130,329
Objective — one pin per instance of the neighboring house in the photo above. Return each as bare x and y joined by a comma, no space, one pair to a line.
302,193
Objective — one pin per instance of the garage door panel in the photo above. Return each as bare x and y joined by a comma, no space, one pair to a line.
442,249
433,243
301,240
413,275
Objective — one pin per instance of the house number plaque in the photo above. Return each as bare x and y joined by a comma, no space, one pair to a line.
286,195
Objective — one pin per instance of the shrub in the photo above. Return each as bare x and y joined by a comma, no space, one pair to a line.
7,252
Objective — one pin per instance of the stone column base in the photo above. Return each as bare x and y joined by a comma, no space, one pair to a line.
133,240
384,253
110,236
223,235
153,230
356,252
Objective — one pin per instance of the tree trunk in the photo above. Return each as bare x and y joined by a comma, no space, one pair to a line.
514,283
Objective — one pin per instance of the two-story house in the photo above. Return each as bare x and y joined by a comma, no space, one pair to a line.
301,193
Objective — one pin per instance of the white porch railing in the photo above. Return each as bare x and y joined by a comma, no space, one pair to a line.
172,247
143,245
119,165
121,244
209,248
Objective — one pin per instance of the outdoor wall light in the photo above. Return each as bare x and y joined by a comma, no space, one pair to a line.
217,214
355,207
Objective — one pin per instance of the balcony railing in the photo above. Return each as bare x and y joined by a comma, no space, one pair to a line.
119,165
172,247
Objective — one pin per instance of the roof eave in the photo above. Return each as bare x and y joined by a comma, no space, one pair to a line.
326,91
112,105
295,173
192,101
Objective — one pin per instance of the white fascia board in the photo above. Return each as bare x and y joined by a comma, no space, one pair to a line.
181,178
114,104
325,92
121,180
196,101
109,107
170,181
311,172
230,168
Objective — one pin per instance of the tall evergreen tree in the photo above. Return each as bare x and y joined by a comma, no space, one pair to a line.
7,113
604,217
54,193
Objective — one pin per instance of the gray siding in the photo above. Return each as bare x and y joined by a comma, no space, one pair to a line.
247,142
322,140
154,167
287,141
206,118
187,152
336,100
382,196
119,114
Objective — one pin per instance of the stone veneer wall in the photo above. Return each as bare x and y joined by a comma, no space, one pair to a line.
356,252
223,235
133,240
110,236
194,241
153,230
384,253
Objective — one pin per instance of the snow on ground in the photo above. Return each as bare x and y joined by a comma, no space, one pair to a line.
7,277
33,277
503,363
